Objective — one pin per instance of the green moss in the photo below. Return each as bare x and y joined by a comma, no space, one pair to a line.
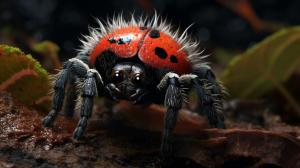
8,50
38,67
29,88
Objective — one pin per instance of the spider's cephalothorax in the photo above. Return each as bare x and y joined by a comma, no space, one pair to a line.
142,61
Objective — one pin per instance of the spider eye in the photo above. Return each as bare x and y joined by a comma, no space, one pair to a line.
137,79
117,76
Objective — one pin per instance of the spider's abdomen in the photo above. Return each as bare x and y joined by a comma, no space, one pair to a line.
160,50
123,42
154,48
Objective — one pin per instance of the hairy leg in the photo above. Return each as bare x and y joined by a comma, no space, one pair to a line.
210,95
89,90
173,102
71,68
71,95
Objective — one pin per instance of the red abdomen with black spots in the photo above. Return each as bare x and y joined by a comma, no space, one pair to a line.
153,47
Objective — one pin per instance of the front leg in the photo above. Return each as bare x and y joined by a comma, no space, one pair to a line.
211,95
173,102
72,69
89,90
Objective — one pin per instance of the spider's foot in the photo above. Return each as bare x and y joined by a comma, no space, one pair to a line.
167,156
78,133
48,120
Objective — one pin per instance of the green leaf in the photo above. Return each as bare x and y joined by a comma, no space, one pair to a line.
24,77
264,66
46,48
49,50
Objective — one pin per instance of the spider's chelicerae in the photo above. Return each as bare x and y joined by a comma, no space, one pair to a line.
143,61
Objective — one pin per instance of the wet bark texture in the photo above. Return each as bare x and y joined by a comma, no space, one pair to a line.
25,143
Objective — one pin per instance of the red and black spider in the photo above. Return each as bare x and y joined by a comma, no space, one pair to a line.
142,61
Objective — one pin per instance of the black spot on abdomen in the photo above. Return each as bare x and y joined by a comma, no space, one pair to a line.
112,40
154,34
173,59
161,53
120,41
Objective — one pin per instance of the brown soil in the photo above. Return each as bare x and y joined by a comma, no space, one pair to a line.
25,143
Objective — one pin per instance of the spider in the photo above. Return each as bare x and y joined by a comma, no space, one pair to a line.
143,61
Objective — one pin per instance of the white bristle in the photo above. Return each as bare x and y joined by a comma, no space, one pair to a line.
191,47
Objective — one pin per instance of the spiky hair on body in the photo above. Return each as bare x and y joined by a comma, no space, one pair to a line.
156,22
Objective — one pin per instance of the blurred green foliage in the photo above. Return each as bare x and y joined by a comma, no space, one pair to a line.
265,67
46,48
224,56
49,50
24,77
262,67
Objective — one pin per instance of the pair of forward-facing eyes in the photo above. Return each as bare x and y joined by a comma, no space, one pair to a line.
119,76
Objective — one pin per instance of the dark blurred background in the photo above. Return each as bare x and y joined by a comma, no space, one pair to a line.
230,24
225,29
